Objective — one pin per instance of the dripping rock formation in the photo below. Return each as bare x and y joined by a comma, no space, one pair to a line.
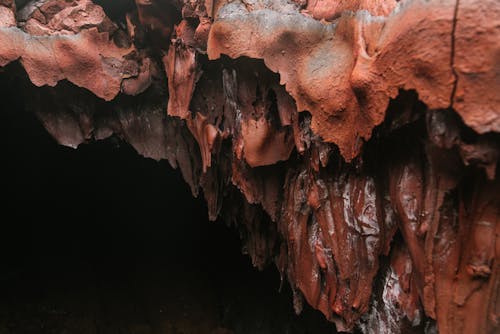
354,144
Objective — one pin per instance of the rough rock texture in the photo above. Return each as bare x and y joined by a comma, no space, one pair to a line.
353,143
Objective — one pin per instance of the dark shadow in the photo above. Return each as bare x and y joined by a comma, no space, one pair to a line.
101,240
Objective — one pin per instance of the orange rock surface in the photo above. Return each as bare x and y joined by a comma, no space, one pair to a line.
353,143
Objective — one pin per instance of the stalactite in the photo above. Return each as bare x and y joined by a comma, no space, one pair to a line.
352,143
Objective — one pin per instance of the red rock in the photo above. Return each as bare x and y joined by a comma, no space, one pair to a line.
332,9
353,143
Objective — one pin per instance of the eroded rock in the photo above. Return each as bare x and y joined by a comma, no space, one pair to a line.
354,144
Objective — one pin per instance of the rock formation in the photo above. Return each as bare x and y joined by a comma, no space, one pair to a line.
353,143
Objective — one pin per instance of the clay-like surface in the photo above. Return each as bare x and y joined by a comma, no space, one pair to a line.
353,143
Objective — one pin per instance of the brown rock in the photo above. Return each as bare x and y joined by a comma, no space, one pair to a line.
353,143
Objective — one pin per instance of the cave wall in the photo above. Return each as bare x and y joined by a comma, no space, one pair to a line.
354,144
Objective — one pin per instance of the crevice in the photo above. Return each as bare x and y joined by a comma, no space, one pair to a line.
116,10
452,57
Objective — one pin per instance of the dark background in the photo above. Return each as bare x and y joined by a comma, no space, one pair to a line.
101,240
